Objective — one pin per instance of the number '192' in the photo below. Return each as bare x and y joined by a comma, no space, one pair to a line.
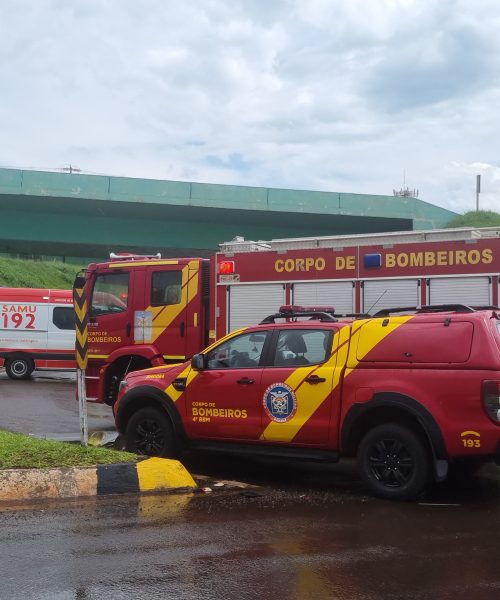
26,320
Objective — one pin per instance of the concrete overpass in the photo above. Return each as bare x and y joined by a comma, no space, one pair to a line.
75,216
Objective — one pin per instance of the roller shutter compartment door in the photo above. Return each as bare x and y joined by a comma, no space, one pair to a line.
339,294
472,291
249,304
390,293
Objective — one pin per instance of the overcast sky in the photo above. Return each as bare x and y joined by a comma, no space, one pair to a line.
344,96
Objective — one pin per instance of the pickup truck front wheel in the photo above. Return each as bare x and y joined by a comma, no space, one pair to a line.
149,432
394,462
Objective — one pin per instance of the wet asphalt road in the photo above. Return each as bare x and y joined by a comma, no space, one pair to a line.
307,533
303,544
46,405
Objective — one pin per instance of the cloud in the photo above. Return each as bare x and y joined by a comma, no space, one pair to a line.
323,94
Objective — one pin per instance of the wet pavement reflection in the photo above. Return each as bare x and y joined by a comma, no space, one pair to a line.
286,541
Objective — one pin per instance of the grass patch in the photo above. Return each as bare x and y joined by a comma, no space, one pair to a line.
54,275
19,451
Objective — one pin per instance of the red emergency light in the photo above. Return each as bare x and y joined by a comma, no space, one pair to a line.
291,308
226,267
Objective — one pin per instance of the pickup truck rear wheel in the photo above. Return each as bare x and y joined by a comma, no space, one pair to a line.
394,462
150,432
19,367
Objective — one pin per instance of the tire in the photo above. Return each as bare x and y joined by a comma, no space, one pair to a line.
19,367
394,462
149,432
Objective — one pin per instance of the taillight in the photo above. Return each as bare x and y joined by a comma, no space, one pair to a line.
490,393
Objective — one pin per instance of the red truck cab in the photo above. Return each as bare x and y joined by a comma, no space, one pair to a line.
143,311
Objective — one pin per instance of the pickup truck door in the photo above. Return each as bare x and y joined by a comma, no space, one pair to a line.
224,400
298,399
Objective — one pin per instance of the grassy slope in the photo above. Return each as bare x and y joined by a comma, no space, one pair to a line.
481,218
23,452
36,274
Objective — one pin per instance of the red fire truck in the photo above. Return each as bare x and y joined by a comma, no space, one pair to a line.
147,311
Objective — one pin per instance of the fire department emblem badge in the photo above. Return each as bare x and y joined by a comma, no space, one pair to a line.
280,402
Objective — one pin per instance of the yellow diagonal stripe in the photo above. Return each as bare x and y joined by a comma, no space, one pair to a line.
174,394
163,316
309,399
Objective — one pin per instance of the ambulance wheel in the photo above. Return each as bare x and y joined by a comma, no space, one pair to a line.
149,432
394,462
19,367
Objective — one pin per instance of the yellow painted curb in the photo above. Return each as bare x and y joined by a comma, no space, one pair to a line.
149,475
163,473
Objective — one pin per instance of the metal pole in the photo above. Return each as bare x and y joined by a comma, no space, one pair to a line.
81,352
82,407
478,189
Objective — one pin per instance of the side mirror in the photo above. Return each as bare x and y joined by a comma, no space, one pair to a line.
198,362
79,282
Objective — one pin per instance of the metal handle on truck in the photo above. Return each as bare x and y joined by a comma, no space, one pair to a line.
315,379
245,381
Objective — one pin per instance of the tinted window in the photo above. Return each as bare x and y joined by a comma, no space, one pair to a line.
243,351
166,288
110,294
64,317
302,347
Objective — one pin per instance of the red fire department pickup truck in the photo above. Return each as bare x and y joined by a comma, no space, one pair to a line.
407,392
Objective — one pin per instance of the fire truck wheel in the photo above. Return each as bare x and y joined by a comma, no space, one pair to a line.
394,462
19,367
149,432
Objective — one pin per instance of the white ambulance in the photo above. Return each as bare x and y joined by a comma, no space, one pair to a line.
37,330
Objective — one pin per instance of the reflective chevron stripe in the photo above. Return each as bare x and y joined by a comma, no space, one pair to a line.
81,321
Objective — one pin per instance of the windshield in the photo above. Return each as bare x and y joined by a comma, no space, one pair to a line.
110,294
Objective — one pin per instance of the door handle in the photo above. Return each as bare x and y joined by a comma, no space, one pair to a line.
245,381
182,327
315,379
128,329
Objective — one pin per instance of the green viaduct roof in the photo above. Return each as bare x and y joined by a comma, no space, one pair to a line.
76,215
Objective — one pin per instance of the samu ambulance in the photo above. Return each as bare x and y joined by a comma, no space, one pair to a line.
37,330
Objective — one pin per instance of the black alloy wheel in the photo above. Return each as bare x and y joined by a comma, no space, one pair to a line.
149,432
394,462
